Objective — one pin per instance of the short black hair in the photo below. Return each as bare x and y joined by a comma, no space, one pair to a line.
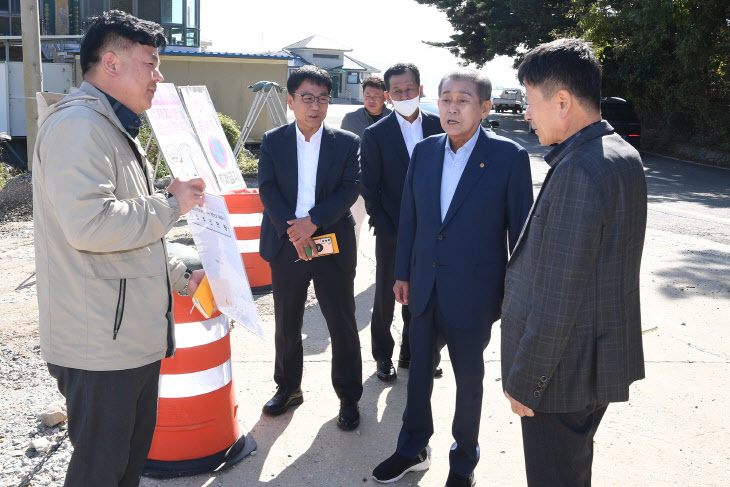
373,82
564,64
482,82
118,28
313,74
401,68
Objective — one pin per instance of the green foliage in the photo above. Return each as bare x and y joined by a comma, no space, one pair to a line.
248,164
670,58
230,128
489,28
153,151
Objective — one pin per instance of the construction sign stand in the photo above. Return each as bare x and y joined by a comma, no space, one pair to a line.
266,95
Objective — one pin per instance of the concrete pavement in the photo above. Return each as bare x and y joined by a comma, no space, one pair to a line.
673,432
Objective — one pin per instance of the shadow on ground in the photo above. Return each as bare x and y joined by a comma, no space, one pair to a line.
702,272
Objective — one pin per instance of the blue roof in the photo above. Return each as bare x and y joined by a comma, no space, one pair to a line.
251,55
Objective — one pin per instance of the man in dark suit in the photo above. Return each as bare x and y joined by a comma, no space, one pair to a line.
385,152
571,323
308,180
465,199
373,92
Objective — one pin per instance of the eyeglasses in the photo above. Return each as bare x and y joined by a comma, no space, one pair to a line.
309,99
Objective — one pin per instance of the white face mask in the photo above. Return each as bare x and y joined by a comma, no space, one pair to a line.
407,107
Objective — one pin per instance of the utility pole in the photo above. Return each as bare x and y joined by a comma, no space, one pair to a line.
32,69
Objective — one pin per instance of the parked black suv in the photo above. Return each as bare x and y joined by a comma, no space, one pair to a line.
620,114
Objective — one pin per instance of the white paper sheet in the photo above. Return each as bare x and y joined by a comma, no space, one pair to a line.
215,240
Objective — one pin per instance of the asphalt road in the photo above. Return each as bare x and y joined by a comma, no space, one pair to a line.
685,198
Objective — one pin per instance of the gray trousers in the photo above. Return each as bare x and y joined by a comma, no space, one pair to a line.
111,421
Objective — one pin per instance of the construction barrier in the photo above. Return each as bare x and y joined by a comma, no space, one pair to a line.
197,418
247,212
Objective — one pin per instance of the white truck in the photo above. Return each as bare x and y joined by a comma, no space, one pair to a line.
511,99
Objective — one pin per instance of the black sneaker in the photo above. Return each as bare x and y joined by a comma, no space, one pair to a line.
395,467
456,480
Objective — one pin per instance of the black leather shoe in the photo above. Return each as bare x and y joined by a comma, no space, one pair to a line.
282,401
395,467
455,480
349,417
386,371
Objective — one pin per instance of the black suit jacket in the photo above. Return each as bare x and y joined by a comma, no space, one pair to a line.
571,321
338,179
384,161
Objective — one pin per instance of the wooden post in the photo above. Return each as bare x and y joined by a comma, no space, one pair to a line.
32,69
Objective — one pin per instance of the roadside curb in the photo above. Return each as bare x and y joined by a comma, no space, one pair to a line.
696,163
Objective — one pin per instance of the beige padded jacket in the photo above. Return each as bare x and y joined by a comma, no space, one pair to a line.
103,275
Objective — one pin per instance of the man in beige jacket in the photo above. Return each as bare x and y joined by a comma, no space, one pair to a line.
104,278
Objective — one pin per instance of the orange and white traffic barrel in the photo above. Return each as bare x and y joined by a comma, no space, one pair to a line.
246,213
197,414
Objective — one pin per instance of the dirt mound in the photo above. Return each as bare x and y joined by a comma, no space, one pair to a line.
16,199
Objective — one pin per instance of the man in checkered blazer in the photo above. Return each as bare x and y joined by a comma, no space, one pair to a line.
571,321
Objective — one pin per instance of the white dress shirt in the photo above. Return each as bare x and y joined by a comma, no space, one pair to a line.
454,164
307,160
412,132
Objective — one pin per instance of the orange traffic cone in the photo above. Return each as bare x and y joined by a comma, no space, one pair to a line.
246,212
197,418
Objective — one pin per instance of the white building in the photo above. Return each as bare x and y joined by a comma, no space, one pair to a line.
347,72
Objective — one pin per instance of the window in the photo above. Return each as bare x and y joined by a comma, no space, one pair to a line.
10,20
191,38
180,18
148,10
174,36
353,78
123,5
172,11
191,13
94,7
326,56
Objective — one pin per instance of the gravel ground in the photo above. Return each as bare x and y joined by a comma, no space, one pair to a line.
27,390
27,387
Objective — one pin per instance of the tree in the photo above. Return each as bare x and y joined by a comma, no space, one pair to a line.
489,28
671,58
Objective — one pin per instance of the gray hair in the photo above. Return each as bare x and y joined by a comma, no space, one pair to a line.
482,82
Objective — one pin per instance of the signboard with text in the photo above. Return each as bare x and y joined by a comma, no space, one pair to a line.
212,139
176,138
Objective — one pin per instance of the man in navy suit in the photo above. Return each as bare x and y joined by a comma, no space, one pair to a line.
571,325
385,152
465,199
308,179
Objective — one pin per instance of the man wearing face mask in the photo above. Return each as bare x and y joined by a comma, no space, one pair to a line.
385,152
